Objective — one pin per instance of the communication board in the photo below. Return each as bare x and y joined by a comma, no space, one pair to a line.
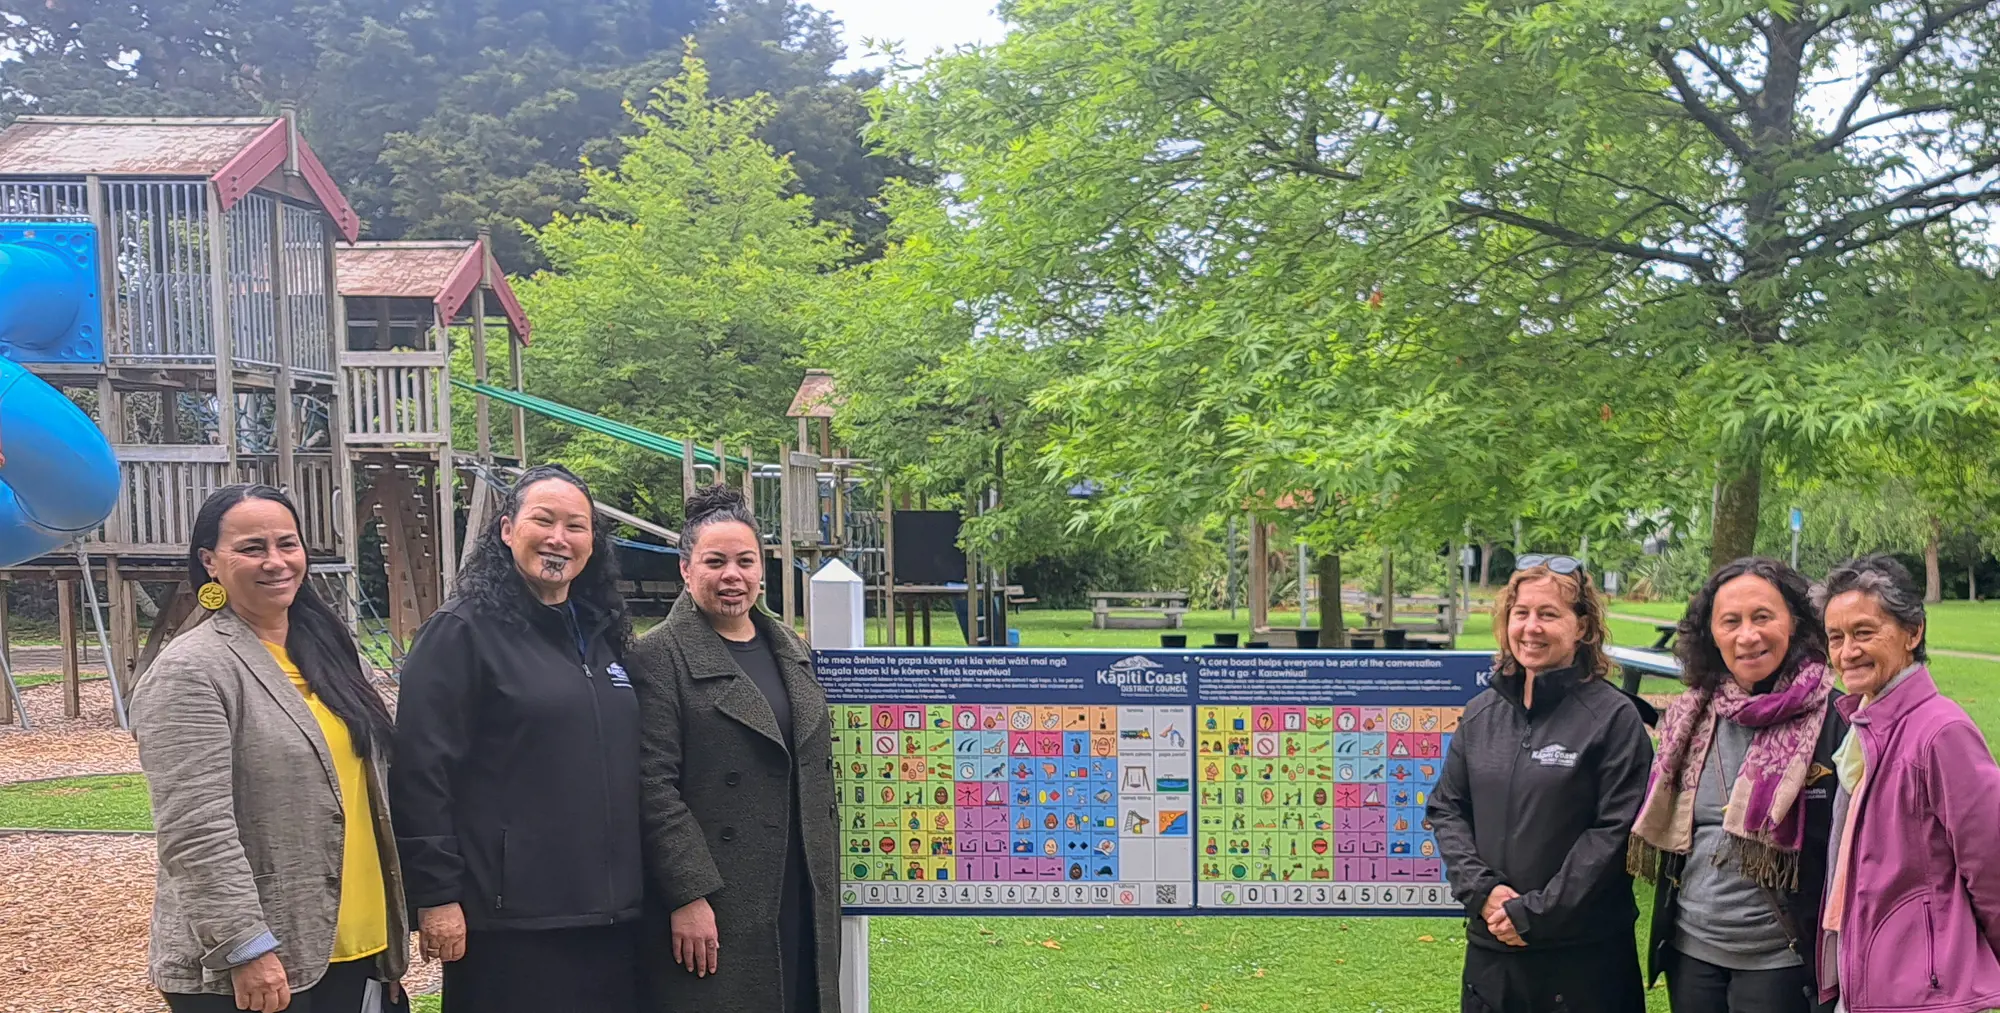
1148,782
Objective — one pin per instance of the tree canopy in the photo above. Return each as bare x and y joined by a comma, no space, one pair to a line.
678,299
440,116
1442,264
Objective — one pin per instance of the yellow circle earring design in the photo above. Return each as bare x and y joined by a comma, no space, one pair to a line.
212,596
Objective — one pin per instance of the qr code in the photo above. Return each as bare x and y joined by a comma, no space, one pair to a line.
1167,893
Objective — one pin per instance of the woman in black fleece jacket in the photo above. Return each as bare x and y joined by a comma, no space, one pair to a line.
1537,798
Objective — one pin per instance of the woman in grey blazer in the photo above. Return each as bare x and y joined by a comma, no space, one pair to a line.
264,745
737,790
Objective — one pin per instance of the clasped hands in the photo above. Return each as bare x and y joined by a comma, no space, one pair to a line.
1497,920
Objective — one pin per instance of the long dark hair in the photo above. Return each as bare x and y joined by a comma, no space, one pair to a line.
493,585
318,642
1694,645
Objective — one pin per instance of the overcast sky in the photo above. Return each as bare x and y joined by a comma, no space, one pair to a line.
921,25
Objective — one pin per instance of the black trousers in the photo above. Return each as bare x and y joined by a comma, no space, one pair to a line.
1577,979
591,970
340,991
1697,986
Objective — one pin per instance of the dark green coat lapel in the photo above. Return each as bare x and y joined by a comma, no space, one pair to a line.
809,711
708,659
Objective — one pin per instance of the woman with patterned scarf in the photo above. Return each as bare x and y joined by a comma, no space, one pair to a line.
1735,823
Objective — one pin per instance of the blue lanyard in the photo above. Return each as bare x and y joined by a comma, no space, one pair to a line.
582,645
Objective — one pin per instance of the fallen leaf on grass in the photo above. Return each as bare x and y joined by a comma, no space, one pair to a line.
1051,944
1339,960
1426,939
1259,973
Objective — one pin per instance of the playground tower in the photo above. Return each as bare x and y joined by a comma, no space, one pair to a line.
179,275
403,304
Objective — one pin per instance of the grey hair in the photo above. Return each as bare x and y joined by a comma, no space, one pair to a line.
1891,585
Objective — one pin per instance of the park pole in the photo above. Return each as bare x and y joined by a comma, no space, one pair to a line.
835,620
1229,556
1302,584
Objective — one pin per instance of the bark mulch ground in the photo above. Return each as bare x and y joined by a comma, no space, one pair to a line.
91,743
73,927
74,908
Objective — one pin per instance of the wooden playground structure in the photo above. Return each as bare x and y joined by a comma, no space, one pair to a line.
250,336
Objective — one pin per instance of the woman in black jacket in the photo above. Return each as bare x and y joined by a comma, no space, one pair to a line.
738,796
1734,829
1534,807
516,785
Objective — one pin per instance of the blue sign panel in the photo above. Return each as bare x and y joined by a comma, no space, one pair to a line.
1148,782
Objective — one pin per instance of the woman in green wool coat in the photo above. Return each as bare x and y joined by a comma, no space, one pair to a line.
737,795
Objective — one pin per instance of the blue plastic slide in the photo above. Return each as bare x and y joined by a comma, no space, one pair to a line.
61,478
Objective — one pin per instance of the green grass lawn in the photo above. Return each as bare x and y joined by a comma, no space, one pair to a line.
1252,965
26,680
110,802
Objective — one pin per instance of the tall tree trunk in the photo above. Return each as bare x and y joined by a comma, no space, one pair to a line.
1485,563
1933,577
1332,610
1736,503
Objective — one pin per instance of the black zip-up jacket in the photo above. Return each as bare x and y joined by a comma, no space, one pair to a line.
1542,800
1801,906
515,784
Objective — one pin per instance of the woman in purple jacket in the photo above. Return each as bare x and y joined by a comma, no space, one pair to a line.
1912,915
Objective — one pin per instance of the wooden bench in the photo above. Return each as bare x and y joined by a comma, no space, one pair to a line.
1140,610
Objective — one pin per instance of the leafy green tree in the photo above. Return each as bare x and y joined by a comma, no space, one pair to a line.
679,300
1620,255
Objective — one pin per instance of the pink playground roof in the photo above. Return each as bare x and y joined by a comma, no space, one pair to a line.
816,398
236,154
444,271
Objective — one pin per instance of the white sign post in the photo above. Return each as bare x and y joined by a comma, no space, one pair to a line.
837,620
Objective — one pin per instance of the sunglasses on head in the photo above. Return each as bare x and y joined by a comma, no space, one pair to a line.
1564,565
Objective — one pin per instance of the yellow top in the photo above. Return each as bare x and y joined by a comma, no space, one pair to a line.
362,927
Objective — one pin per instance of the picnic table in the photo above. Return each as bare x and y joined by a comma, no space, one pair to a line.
1138,610
1666,630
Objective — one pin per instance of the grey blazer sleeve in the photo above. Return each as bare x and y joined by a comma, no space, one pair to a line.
184,748
676,852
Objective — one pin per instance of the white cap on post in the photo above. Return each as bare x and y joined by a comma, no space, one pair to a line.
838,608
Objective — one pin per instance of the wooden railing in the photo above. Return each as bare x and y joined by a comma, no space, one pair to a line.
163,488
395,397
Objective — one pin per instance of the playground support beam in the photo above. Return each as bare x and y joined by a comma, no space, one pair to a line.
66,636
482,420
443,548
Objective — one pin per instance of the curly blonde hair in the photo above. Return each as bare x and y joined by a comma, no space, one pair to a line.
1592,631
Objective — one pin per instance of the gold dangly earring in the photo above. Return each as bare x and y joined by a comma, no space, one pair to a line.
212,596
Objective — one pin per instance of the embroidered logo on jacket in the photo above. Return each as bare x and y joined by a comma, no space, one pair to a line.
1554,755
618,677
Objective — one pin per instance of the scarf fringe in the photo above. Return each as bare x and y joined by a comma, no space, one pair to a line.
1764,864
1642,859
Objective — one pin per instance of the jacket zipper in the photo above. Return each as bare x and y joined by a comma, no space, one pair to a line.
603,766
1930,937
500,895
